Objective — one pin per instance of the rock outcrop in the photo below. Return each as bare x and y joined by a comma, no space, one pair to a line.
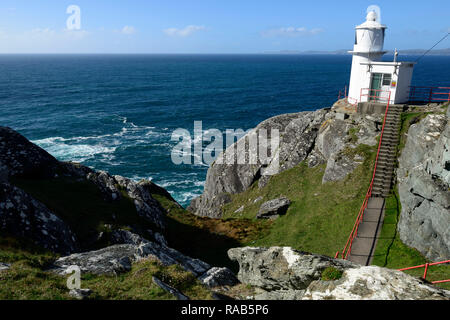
24,217
281,268
282,273
130,248
19,157
272,209
424,183
317,137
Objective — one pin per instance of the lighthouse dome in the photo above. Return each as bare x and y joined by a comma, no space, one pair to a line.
371,16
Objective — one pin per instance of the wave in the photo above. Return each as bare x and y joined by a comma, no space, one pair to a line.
63,151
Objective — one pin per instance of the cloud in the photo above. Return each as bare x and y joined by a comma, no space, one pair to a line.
128,30
291,32
186,31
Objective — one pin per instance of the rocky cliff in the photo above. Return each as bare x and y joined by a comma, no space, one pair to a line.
424,187
316,137
123,224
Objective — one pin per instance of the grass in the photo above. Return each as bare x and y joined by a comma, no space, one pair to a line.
205,238
82,206
320,216
331,273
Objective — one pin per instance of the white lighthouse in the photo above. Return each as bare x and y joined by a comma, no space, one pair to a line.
372,79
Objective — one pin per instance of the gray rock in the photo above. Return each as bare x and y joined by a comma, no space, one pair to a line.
176,293
281,268
374,283
129,248
423,182
273,208
80,294
23,158
4,266
281,295
216,277
24,217
146,205
297,137
115,259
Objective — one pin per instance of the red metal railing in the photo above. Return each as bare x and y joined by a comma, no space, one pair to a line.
375,95
426,265
348,246
429,94
344,91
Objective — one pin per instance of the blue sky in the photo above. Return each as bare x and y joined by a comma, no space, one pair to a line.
213,26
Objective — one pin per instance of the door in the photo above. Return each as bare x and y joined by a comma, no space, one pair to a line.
375,86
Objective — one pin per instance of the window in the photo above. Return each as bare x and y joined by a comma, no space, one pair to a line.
387,79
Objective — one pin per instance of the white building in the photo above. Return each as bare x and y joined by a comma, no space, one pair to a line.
371,79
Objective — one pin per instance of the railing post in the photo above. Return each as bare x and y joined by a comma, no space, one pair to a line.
426,270
431,95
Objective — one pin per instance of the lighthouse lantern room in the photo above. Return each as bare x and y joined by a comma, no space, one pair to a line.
372,79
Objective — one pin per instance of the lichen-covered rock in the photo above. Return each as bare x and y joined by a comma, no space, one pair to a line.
217,277
281,268
297,133
374,283
287,274
128,248
23,158
24,217
423,183
110,260
146,206
273,208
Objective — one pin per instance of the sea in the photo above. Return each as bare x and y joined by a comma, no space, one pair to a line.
118,112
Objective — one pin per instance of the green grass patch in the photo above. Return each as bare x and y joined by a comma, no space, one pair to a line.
320,216
331,273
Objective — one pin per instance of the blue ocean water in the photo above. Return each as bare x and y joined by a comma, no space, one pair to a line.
117,112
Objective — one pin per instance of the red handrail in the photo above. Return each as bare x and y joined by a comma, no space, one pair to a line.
426,265
429,94
348,246
376,97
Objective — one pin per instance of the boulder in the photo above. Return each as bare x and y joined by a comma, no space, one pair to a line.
374,283
24,217
218,277
273,208
423,182
281,268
